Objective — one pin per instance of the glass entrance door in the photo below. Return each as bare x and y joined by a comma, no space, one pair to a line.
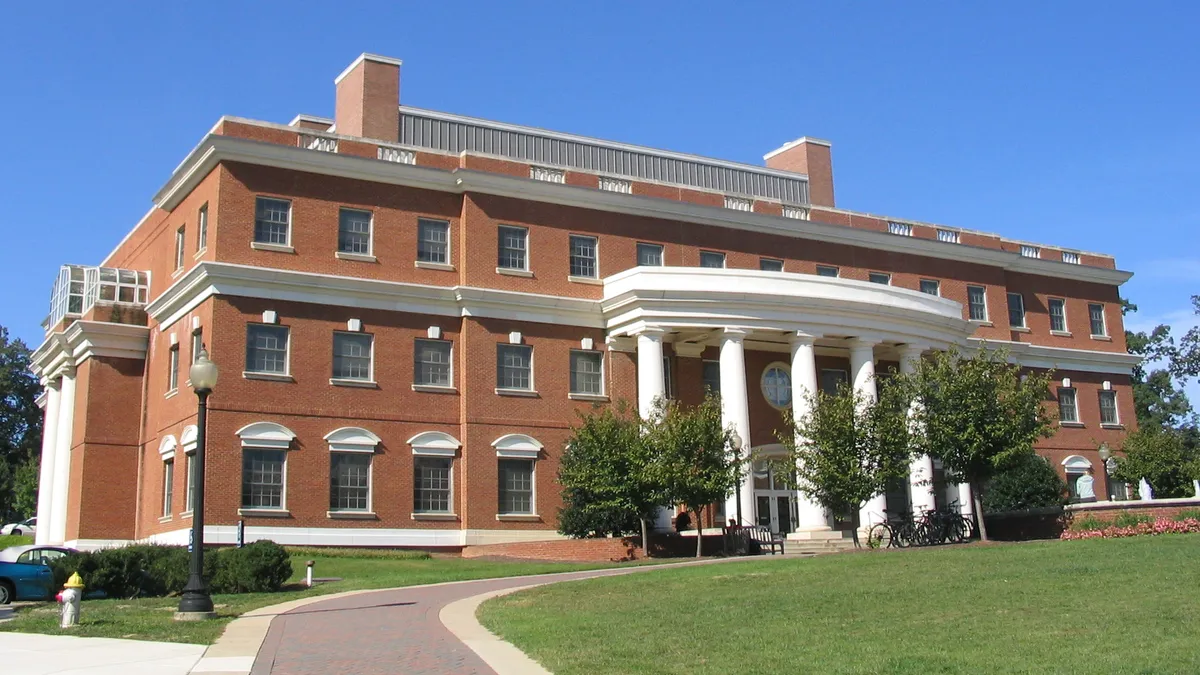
776,506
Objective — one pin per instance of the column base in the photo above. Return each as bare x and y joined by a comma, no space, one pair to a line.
825,534
195,616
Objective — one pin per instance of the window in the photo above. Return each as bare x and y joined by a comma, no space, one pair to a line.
976,303
1072,258
777,385
770,265
583,257
712,376
797,212
1067,412
1016,310
931,286
548,175
180,235
514,367
173,373
1096,318
1078,471
902,229
266,349
197,343
739,204
352,356
668,379
1108,408
712,259
202,229
513,245
948,236
433,363
879,278
354,231
826,271
431,483
516,486
190,492
616,185
650,255
262,479
349,481
168,486
272,221
433,241
587,373
1058,315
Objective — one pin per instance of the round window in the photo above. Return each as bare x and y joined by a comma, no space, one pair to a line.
777,385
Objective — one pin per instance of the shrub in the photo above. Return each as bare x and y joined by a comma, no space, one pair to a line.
1188,514
1029,483
1125,519
1087,523
1159,526
260,567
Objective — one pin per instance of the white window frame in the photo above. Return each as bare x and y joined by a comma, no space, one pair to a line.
202,228
581,395
661,254
837,272
168,488
270,245
1074,406
180,246
937,287
571,275
450,480
447,264
356,255
519,446
1020,305
336,379
881,278
1065,330
724,259
353,441
704,364
173,368
764,260
525,235
166,452
762,384
188,440
1103,320
532,390
986,312
287,355
1116,421
422,386
265,436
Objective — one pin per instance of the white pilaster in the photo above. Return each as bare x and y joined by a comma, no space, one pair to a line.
735,413
62,460
862,374
46,467
804,386
920,471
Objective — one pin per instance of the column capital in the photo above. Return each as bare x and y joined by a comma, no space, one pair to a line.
862,342
52,383
735,331
802,338
651,332
690,350
912,350
620,344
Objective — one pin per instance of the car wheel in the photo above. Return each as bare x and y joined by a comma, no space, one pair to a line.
16,532
6,593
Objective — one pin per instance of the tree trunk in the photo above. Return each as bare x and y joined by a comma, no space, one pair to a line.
854,522
699,533
645,540
978,500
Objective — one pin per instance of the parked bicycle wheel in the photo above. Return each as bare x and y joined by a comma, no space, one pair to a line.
879,536
957,531
903,536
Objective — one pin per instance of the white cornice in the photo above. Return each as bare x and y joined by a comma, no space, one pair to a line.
368,57
1060,358
84,339
791,144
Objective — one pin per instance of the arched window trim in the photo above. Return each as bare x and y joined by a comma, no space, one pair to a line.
166,448
1076,463
188,439
434,444
517,446
352,439
266,435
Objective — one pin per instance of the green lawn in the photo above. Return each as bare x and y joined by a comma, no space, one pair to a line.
152,618
7,540
1097,606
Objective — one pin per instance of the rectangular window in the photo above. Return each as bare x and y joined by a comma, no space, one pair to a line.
1096,318
180,238
190,492
1108,408
948,236
349,481
513,246
587,373
1058,315
433,363
712,259
431,482
514,367
197,343
1030,252
616,185
433,241
352,356
272,221
1016,310
1067,412
879,278
931,286
712,376
739,204
516,486
976,303
202,229
1072,258
668,379
262,479
354,231
583,257
770,264
650,255
827,271
797,212
266,349
902,229
168,486
173,373
548,175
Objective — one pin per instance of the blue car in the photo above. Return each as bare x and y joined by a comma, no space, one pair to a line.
25,572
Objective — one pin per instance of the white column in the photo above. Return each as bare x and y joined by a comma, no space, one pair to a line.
1196,488
966,500
804,386
735,413
862,374
1144,490
46,467
651,386
920,471
62,460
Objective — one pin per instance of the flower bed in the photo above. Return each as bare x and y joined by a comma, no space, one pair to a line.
1159,526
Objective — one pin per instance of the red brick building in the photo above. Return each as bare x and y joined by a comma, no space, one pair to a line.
409,308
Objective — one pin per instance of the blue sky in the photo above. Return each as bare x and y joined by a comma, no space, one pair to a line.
1070,123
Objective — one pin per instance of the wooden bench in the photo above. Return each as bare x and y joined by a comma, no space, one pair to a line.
766,539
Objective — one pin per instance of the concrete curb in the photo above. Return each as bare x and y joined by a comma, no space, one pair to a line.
501,656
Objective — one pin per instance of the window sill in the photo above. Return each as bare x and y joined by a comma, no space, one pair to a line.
1102,338
518,517
265,513
513,273
358,257
200,253
1061,333
177,273
1111,426
165,519
434,516
344,382
435,389
171,394
527,393
1071,425
351,515
278,248
587,397
272,377
425,265
186,515
591,281
1019,329
986,324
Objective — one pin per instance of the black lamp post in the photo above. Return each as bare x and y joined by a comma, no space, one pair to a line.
196,603
735,440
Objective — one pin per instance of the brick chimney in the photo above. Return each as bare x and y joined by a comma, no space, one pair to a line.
808,156
368,98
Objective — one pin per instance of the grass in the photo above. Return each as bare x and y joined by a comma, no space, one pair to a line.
152,618
7,540
1097,606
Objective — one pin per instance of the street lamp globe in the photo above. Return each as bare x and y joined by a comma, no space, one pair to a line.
735,440
203,373
1105,453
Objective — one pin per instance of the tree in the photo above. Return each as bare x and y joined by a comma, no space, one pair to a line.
1158,380
606,478
1163,457
20,420
978,415
692,456
1030,483
848,448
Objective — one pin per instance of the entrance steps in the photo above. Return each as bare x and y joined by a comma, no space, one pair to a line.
819,541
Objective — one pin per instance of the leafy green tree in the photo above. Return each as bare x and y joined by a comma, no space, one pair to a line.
847,449
1029,483
1158,381
978,415
692,455
1163,457
20,421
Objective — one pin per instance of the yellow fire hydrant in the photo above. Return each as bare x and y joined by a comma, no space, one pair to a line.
70,597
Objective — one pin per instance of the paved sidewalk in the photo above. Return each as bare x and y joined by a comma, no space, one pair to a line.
33,654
